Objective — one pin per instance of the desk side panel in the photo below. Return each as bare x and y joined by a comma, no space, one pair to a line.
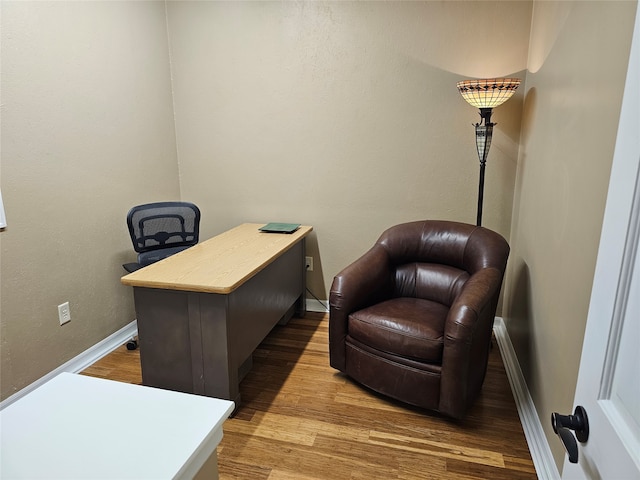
259,304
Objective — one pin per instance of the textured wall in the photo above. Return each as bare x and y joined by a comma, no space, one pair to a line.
87,132
578,62
342,115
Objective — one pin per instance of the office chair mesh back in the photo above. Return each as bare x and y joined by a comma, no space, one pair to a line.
161,229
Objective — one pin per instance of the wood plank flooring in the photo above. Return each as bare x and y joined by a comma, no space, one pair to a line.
300,419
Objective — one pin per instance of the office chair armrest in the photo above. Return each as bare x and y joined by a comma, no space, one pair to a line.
131,267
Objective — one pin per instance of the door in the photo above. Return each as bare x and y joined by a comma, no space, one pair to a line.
609,379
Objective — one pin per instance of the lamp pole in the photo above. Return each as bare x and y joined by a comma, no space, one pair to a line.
484,133
480,194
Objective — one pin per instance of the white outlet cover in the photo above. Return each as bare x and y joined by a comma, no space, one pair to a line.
64,313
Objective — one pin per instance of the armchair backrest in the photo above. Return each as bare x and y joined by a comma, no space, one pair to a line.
434,259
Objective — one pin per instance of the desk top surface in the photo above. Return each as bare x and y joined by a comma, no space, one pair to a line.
220,264
75,426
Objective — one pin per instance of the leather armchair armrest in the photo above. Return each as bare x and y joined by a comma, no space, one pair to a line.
365,282
467,328
362,283
481,288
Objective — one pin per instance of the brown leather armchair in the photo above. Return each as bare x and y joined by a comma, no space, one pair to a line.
412,318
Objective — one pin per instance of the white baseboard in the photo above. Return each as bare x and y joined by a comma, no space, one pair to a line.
541,455
82,361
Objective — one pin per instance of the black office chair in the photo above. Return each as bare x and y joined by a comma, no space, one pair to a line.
159,230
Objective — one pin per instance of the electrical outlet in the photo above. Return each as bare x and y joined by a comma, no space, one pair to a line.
309,264
64,313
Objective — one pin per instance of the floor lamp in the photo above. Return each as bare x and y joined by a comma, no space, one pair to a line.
485,95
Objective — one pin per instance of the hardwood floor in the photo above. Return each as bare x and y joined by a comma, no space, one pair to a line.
300,419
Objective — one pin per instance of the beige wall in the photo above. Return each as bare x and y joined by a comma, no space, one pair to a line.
577,65
341,115
87,132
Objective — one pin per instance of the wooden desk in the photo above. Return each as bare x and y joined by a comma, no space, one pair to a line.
202,312
81,427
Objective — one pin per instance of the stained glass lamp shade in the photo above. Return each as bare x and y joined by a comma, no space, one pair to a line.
488,93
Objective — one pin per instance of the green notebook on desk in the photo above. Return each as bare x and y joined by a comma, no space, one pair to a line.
280,227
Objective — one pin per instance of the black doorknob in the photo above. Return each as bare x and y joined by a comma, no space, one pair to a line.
563,424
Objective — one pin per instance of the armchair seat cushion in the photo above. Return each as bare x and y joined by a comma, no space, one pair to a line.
412,328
